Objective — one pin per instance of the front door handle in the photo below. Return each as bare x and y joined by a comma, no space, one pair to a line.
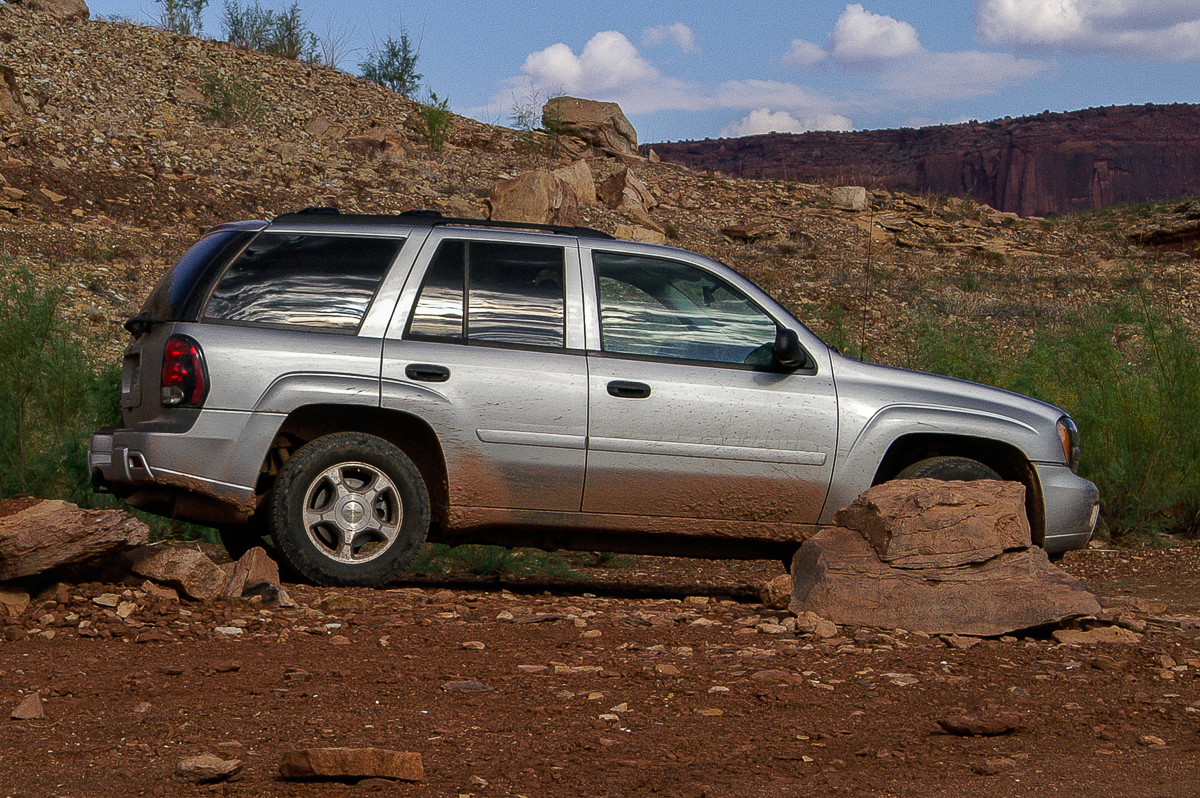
628,390
425,372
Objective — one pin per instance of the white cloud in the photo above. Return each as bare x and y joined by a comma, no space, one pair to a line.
678,34
609,68
1163,30
804,54
861,37
764,120
957,76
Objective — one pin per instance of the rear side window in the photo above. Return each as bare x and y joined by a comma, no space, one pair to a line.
492,293
289,280
177,295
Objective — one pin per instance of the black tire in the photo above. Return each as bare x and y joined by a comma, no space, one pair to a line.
349,509
948,469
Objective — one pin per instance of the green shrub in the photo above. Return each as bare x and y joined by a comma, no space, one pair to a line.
182,16
436,121
232,100
394,65
51,395
1129,377
281,33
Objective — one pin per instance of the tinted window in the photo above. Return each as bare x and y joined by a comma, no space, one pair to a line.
303,280
663,308
505,293
172,294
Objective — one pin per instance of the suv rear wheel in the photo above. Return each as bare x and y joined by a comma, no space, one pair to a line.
349,509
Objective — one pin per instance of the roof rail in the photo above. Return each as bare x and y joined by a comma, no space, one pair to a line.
421,217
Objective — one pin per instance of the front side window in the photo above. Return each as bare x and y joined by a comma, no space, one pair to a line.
492,293
663,308
285,279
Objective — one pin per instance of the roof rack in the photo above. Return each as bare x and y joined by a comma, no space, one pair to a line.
421,217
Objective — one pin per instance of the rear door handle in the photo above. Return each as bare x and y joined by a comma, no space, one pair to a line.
628,390
425,372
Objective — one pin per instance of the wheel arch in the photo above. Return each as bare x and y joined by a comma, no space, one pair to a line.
408,433
1005,459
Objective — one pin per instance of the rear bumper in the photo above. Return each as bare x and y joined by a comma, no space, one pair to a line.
207,474
1072,508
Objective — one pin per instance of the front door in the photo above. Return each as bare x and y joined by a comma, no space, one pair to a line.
688,415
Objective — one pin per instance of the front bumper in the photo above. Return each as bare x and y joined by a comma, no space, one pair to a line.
1072,508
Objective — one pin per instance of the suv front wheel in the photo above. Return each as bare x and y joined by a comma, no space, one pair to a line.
349,509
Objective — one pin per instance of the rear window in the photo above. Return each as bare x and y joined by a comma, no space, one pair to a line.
176,296
290,280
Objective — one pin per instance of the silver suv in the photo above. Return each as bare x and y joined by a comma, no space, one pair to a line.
355,385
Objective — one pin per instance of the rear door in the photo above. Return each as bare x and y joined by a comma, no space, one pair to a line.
487,347
688,418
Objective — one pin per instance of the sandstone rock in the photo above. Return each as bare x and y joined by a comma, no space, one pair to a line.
838,575
13,601
30,708
848,198
1100,634
66,10
777,593
468,686
254,568
206,769
635,232
187,569
351,763
12,101
753,231
54,533
537,196
985,724
812,624
579,177
600,124
924,523
623,191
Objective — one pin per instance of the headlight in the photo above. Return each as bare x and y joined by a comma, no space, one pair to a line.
1068,433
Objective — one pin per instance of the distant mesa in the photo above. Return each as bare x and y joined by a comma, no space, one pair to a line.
1034,166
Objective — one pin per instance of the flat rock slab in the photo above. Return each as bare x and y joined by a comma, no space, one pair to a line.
206,769
981,725
53,533
1101,634
924,523
352,763
838,575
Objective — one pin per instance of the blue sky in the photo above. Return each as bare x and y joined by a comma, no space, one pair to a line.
706,69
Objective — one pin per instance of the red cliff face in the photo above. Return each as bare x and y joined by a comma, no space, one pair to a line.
1034,166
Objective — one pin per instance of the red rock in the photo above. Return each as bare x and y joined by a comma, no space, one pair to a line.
53,533
254,568
1034,166
30,708
184,568
352,763
923,523
536,196
982,724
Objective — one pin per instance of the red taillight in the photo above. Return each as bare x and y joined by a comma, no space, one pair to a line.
184,377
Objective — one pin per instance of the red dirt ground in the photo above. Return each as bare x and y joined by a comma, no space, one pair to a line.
647,679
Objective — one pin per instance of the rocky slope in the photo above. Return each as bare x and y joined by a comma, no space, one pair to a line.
1033,166
110,167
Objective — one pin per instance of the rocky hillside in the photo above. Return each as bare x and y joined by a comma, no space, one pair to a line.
1033,166
111,165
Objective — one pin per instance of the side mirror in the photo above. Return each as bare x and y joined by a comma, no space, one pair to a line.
787,350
